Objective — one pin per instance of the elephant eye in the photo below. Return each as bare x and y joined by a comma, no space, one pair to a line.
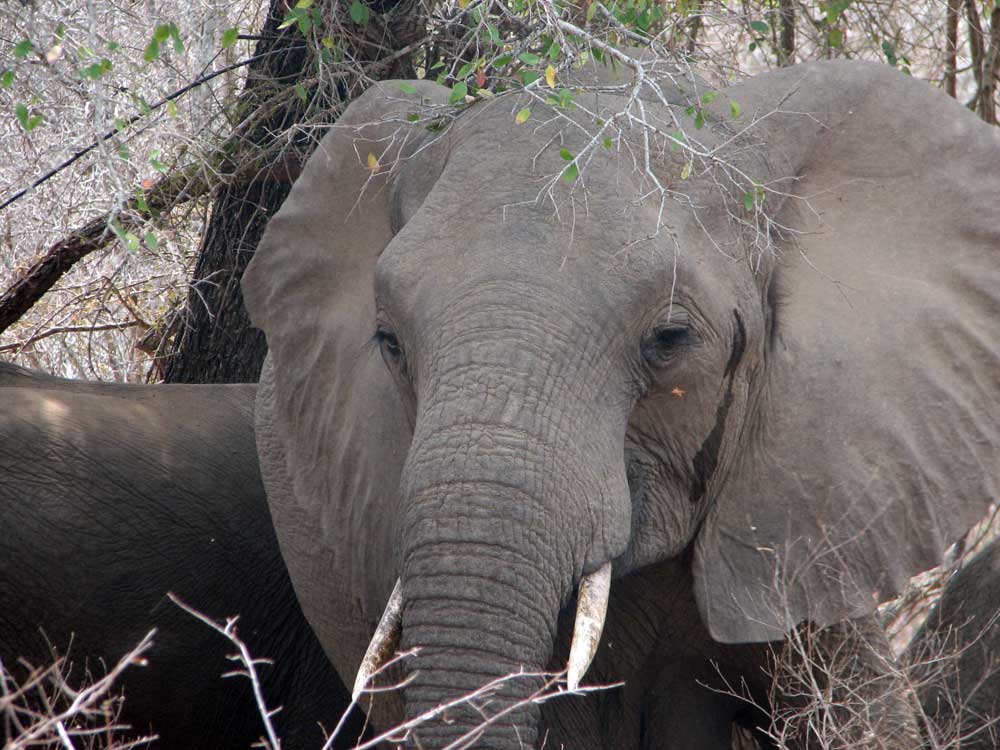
660,348
388,344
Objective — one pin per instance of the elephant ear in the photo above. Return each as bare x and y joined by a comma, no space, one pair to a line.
876,439
331,432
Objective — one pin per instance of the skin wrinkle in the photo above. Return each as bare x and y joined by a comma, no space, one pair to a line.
535,541
537,588
563,429
707,458
431,633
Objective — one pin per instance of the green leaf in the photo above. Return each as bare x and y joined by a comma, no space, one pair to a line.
523,116
21,112
565,154
465,70
140,201
708,97
836,38
760,27
113,46
566,99
438,64
834,8
458,93
7,79
175,34
529,58
303,3
61,31
554,51
570,173
229,37
748,201
699,120
300,92
144,107
91,72
735,109
529,76
494,33
360,13
162,33
890,53
501,61
151,242
123,153
288,20
130,240
407,88
607,143
753,46
22,48
154,160
152,51
120,124
413,117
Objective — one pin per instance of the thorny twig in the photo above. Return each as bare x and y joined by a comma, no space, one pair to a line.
249,667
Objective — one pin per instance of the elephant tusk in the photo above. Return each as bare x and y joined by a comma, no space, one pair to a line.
383,643
592,606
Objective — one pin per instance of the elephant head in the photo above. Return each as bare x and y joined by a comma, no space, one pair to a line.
492,384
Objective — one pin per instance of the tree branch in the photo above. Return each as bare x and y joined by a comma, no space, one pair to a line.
128,122
71,329
94,235
786,47
951,47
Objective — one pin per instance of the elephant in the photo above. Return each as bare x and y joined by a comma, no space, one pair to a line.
954,656
112,495
496,389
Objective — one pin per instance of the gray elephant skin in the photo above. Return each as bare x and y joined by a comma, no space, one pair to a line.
489,390
112,495
956,656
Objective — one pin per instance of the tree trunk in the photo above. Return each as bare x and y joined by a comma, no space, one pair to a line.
212,339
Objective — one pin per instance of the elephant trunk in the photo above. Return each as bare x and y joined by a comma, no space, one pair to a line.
506,504
482,640
492,550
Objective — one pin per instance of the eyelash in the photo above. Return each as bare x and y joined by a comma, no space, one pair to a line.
664,343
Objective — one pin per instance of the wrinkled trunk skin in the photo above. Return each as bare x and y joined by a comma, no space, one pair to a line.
494,539
502,634
514,487
481,604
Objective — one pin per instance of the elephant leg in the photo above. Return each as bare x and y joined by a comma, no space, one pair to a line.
840,687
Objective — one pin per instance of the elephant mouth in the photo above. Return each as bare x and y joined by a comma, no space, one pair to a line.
591,610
